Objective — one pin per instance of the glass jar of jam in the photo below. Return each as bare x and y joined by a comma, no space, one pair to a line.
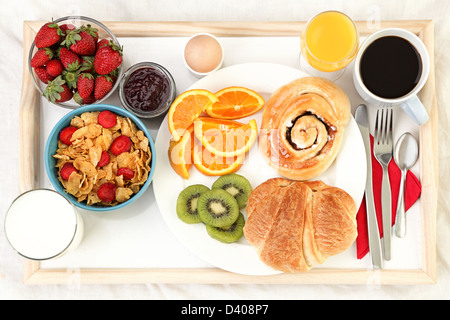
147,89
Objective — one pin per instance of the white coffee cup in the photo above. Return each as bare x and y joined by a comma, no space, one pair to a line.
410,103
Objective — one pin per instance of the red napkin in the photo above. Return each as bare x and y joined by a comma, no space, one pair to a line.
412,193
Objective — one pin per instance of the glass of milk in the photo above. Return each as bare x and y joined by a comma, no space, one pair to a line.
41,224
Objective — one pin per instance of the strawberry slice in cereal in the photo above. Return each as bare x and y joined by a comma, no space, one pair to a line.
121,144
104,159
107,192
107,119
67,170
127,173
66,134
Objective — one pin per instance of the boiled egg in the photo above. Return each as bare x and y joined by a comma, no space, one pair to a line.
203,53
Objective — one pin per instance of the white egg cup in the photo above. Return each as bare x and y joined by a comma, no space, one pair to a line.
202,74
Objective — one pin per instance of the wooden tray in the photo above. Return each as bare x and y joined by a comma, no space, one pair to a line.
30,148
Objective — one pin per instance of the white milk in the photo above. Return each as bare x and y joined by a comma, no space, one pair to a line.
41,224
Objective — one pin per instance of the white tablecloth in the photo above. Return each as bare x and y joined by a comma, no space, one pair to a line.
14,13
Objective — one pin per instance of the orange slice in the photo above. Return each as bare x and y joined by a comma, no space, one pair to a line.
212,165
180,153
186,108
235,103
225,138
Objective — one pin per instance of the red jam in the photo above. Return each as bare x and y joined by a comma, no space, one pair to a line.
147,89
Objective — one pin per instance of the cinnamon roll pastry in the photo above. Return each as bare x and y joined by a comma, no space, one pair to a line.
303,126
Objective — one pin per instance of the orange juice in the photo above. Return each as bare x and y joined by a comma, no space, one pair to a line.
330,41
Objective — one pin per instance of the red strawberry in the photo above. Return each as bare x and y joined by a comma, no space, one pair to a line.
48,35
71,78
66,27
80,42
66,134
103,85
85,85
81,101
65,95
67,170
54,67
41,57
93,32
87,63
70,60
127,173
58,91
43,75
120,144
102,43
107,192
89,100
108,58
104,159
107,119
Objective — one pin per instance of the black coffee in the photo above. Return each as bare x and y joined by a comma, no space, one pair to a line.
390,67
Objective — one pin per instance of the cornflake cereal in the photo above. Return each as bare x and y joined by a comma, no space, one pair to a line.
87,155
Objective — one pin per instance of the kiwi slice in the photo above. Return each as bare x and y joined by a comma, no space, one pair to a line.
235,184
187,203
228,234
217,208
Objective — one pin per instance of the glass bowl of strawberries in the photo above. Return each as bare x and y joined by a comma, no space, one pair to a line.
75,61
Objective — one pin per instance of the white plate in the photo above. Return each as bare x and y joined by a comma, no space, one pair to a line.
347,172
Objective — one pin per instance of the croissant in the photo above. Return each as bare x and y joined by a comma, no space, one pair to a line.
303,126
295,225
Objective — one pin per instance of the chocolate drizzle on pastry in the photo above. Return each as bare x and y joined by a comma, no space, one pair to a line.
309,134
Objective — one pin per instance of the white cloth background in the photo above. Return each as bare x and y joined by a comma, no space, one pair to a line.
13,14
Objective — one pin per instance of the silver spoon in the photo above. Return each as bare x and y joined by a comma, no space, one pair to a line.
405,155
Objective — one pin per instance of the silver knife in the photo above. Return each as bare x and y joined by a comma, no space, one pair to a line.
362,118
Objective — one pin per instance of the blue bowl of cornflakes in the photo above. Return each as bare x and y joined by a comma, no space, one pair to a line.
84,155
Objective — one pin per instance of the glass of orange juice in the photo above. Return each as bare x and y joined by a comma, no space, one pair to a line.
329,43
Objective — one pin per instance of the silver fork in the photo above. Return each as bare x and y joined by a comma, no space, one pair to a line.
383,149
